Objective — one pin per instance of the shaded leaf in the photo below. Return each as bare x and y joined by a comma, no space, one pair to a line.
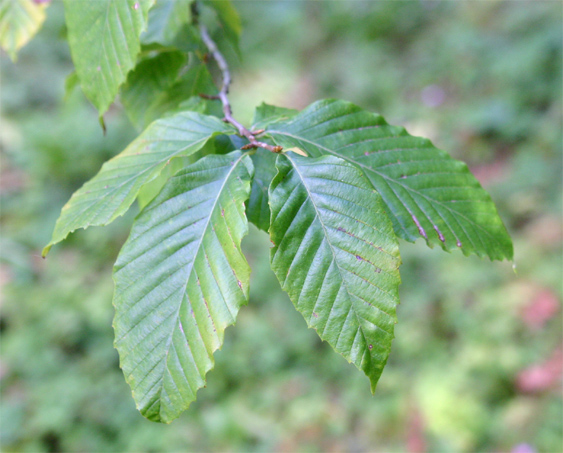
110,193
180,280
71,82
166,19
266,114
146,83
162,84
104,42
427,193
19,21
336,255
258,209
229,19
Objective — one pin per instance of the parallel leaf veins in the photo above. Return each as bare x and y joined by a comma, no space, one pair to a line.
181,279
336,255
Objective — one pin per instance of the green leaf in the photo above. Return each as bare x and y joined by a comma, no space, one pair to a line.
258,209
19,21
336,255
161,85
229,19
71,82
152,188
266,114
146,83
166,19
221,144
180,280
427,193
104,42
110,193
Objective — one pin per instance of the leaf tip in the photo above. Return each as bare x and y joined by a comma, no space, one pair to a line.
102,123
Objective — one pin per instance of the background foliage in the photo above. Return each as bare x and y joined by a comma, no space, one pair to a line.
477,362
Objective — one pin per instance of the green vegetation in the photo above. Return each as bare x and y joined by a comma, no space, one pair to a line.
472,337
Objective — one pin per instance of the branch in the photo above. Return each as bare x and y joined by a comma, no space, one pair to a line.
222,96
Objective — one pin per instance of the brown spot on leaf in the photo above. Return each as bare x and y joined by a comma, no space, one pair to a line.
419,226
440,235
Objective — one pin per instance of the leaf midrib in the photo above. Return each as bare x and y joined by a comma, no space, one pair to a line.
184,288
317,214
112,192
410,189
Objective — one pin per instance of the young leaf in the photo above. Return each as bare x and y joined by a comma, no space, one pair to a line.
110,193
104,42
427,193
336,255
19,21
166,19
180,280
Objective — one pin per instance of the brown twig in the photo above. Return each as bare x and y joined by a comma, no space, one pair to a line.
223,92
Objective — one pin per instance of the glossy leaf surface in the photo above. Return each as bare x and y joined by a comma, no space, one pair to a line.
336,255
110,193
104,42
180,280
427,193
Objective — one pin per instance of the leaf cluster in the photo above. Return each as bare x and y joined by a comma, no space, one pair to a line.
335,201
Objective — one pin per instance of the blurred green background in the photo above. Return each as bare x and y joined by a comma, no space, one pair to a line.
477,360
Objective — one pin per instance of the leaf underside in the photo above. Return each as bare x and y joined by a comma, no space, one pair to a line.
427,193
104,42
112,191
336,255
181,279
